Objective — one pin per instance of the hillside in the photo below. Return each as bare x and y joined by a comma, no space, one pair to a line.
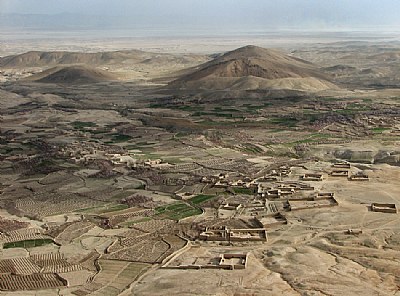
44,59
73,75
253,67
125,57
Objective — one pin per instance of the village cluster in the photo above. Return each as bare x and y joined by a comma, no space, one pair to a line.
246,211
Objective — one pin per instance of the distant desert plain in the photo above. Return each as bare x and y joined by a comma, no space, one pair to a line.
222,165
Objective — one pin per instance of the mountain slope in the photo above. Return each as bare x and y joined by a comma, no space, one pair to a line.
120,58
43,58
261,68
73,75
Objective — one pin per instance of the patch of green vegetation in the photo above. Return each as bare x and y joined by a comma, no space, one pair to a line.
31,243
379,130
36,177
132,147
117,138
248,147
82,124
113,208
227,115
156,106
252,107
86,210
248,191
98,131
220,109
234,123
353,108
144,143
203,113
312,117
6,150
329,99
177,211
190,108
181,135
199,199
139,145
285,121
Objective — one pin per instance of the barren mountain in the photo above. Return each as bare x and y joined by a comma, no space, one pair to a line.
40,58
55,58
252,67
73,75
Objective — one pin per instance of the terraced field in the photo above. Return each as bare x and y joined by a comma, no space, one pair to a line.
113,278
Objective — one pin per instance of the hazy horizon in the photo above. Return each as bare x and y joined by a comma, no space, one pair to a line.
199,17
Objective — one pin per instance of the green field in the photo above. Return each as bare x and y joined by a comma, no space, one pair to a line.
379,130
112,208
118,138
284,121
104,208
248,191
248,147
31,243
199,199
82,124
177,211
